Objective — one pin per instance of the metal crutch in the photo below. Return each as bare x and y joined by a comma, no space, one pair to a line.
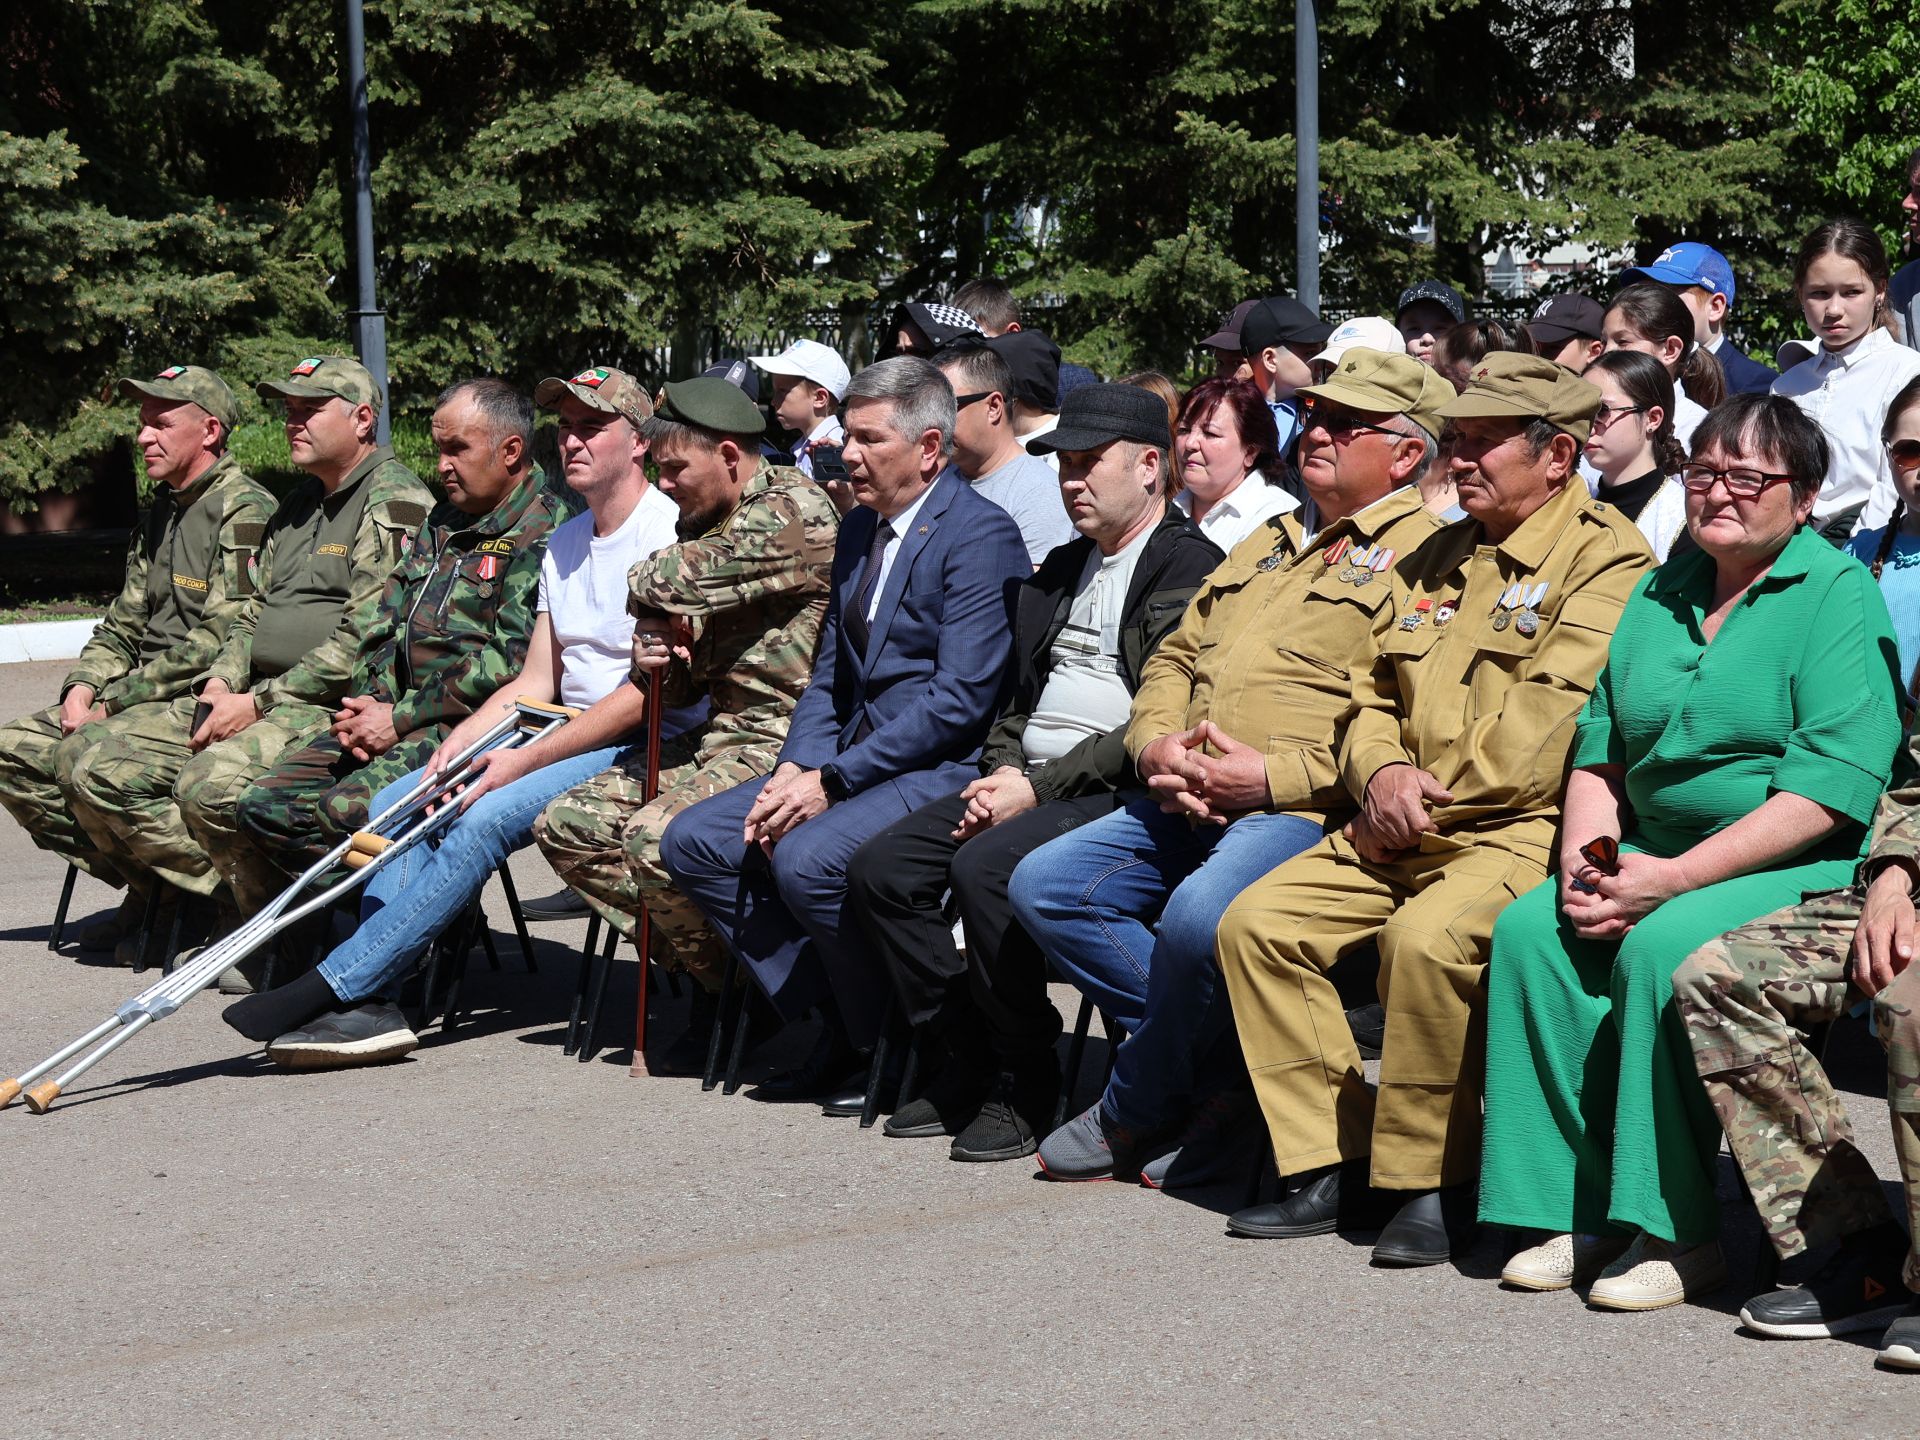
361,853
643,935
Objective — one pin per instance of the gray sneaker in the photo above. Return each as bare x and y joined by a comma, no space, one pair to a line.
1221,1137
1900,1346
365,1035
1079,1149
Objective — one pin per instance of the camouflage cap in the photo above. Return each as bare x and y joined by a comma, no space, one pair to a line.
187,385
599,387
1527,387
325,377
712,404
1375,382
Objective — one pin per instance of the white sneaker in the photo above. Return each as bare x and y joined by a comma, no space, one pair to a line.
1652,1275
1562,1261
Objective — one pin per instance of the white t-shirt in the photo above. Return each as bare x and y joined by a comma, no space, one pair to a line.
583,587
1845,392
1045,427
1030,492
1085,693
1241,511
1687,415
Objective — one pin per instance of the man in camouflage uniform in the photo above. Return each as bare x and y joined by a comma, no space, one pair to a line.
189,576
1746,999
451,624
730,614
158,793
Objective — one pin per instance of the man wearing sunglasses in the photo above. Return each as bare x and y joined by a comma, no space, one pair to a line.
990,456
1485,650
1234,732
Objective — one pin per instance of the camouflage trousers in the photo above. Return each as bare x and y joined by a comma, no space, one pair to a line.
1745,998
36,762
603,839
309,801
154,807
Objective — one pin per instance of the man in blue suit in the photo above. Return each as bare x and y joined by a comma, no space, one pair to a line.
905,686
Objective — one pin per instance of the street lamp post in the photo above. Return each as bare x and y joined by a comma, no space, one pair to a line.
1306,161
369,320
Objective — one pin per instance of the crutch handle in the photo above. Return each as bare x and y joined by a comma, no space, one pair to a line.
363,847
40,1097
354,859
9,1092
546,709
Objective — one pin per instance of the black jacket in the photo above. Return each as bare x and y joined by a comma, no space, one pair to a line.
1177,558
1744,376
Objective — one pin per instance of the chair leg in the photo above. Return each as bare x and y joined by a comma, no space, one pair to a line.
486,941
1115,1036
883,1043
146,930
582,983
173,932
592,1026
519,920
738,1053
672,977
466,931
60,913
910,1071
1076,1055
1262,1167
711,1075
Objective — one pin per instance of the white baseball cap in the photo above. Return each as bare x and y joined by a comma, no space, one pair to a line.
1371,332
810,360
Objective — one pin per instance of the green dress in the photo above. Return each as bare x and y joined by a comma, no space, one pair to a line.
1596,1120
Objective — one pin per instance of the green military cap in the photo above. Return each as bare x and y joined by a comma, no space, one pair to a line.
1378,383
712,404
187,385
326,377
1527,387
599,387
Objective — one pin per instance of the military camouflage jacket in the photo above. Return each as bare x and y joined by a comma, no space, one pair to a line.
1896,822
755,589
391,510
454,619
189,566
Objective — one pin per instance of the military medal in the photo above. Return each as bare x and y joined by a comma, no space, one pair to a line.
1334,551
1267,562
1443,615
1527,622
1502,616
1413,621
488,567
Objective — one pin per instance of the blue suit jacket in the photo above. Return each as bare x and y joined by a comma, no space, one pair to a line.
928,686
1745,376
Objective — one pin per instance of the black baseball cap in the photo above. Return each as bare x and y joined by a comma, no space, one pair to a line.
1568,317
1281,320
1445,296
1035,363
1097,414
1227,337
737,373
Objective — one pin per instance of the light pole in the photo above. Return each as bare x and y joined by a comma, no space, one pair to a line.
369,320
1306,157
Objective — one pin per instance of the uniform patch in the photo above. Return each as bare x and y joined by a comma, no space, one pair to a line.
410,513
593,379
494,547
250,571
249,532
187,582
172,372
306,366
331,549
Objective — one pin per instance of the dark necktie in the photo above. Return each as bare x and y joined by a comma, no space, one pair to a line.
869,582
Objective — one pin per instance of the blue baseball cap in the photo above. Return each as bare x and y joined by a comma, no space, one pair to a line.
1689,263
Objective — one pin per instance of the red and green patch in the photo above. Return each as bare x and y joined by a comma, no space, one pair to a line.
307,366
593,379
172,372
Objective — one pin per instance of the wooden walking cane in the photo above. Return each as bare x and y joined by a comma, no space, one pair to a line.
643,937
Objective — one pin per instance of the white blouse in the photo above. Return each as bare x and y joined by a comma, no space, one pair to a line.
1846,393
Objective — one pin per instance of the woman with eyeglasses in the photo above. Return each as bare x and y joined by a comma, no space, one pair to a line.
1847,385
1225,457
1892,550
1728,761
1633,449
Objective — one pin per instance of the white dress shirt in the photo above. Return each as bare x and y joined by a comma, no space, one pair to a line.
1846,393
902,525
1241,511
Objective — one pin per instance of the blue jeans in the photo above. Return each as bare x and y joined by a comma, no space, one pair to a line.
411,899
1127,906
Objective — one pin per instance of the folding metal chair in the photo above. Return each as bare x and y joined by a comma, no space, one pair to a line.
60,912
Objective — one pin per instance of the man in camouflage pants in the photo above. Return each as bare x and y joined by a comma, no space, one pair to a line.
731,614
189,576
158,793
1746,999
452,623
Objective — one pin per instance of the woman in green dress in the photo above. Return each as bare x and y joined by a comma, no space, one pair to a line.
1732,752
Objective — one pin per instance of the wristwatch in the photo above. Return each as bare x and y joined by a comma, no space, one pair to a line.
834,783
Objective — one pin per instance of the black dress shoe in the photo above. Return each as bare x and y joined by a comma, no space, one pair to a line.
1369,1026
821,1074
1325,1199
849,1097
566,905
1429,1227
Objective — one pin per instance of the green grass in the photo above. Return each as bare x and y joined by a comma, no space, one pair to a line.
85,605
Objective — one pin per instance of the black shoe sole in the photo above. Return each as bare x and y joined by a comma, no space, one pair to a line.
1005,1152
931,1130
1282,1232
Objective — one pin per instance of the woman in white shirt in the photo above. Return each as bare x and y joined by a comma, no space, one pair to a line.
1846,387
1632,446
1652,319
1223,442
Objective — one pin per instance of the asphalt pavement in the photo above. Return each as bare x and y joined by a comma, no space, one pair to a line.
491,1239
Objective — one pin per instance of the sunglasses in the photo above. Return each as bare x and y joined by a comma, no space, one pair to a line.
1338,422
960,402
1603,854
1903,455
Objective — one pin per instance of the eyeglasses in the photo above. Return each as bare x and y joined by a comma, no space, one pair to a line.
1338,422
960,402
1742,484
1903,455
1607,414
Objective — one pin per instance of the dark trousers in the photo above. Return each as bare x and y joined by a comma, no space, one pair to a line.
896,882
783,915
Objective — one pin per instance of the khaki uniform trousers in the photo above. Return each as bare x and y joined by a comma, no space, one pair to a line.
1431,913
36,768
